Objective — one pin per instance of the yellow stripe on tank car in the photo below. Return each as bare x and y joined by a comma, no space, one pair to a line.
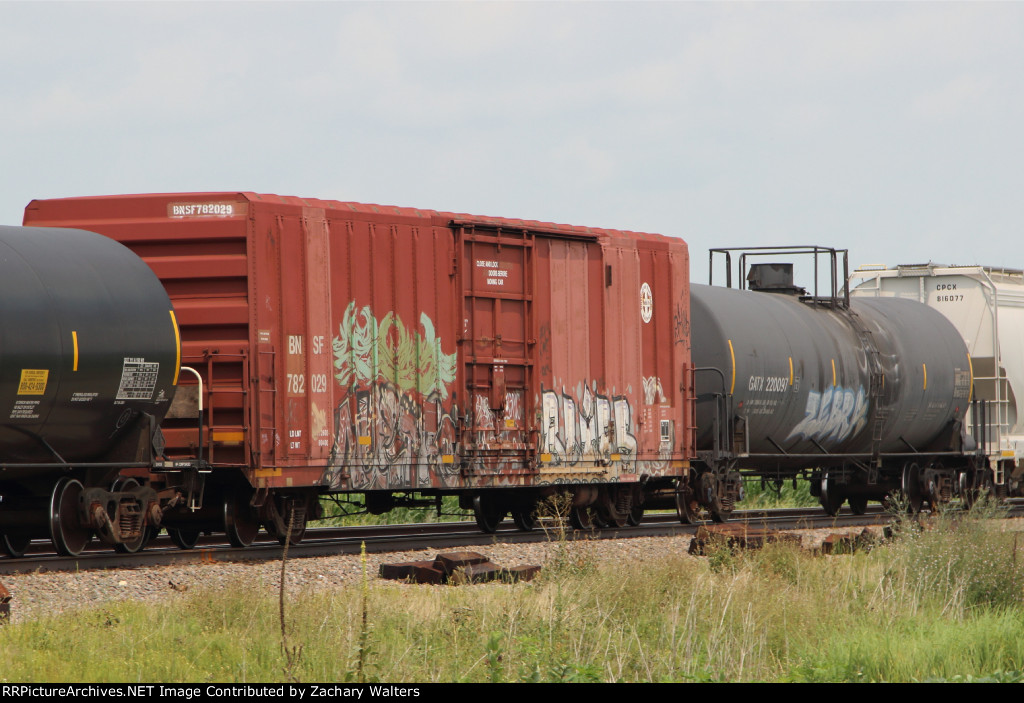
833,372
177,346
74,343
732,355
791,371
924,367
970,391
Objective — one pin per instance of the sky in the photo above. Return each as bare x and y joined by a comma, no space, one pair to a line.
895,130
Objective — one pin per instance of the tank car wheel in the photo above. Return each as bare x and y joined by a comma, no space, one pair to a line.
687,506
525,520
711,488
241,523
831,497
488,515
184,538
68,535
912,487
858,504
140,542
719,512
984,486
14,546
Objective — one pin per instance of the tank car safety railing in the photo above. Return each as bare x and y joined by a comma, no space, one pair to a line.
195,485
722,422
838,297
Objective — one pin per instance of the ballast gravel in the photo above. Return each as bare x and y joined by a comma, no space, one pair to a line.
37,594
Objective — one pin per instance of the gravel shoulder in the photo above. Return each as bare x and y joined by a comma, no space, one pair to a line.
45,593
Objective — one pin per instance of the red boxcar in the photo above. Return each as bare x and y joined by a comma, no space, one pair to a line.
348,347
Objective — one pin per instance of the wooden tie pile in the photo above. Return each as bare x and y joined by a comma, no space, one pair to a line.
456,568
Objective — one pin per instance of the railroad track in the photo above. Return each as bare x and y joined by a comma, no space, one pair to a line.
327,541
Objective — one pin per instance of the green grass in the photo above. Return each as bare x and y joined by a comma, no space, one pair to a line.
945,603
333,513
757,497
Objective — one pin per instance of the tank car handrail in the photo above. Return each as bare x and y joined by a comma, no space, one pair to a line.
199,379
723,419
839,296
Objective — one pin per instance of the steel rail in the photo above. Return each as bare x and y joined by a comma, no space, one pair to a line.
333,541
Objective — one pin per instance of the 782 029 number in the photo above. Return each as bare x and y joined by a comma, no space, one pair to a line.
297,383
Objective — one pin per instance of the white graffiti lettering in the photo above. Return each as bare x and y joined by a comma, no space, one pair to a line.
582,429
653,390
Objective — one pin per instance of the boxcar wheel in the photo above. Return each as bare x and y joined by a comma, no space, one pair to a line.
67,533
241,524
525,520
298,532
614,506
292,511
488,515
582,518
636,516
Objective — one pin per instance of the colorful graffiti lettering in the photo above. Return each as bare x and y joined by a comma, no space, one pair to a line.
367,351
833,414
393,427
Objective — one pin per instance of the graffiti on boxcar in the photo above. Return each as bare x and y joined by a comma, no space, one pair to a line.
498,425
395,425
587,427
681,325
501,435
834,414
653,390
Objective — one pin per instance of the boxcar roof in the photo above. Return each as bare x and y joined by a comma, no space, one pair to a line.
365,208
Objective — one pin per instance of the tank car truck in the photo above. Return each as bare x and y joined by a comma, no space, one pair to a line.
89,367
402,355
986,306
863,396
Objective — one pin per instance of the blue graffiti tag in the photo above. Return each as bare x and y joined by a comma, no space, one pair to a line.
833,414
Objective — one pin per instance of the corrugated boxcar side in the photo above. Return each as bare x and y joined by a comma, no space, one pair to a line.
366,347
614,350
392,348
